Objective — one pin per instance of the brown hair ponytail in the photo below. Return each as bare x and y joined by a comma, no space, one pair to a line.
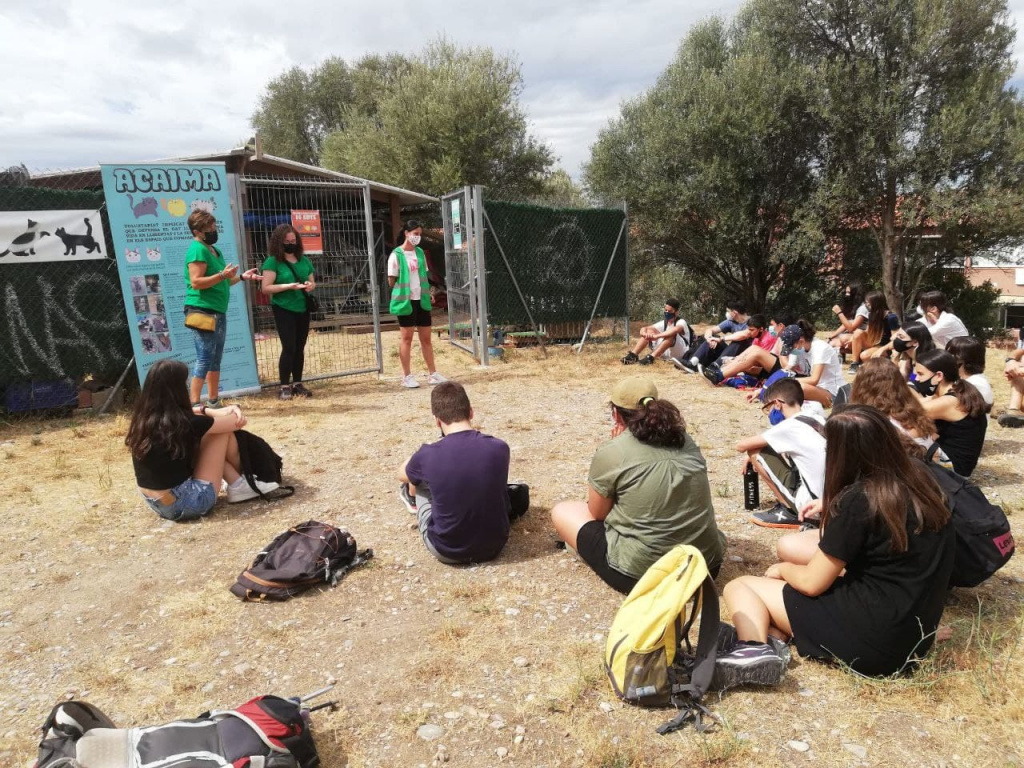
655,422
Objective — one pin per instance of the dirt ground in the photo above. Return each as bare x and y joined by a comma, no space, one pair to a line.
104,601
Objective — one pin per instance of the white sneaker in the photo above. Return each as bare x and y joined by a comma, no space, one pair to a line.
435,378
244,493
409,382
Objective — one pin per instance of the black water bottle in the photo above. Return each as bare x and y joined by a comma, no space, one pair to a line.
751,488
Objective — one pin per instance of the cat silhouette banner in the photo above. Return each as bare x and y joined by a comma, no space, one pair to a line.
27,236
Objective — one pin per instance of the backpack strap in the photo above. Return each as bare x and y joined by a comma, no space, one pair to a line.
929,455
812,423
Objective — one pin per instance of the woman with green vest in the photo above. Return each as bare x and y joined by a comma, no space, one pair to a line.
287,278
208,281
409,280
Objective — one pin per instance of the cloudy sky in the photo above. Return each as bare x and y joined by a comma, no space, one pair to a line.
88,81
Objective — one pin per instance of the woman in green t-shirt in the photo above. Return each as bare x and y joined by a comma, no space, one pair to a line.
649,491
208,281
287,278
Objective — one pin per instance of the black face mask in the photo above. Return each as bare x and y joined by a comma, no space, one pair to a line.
926,388
290,247
900,345
669,318
210,237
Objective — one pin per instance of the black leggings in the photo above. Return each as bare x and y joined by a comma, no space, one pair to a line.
293,329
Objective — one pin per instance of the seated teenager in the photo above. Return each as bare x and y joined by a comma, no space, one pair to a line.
942,324
826,369
880,385
727,339
669,337
1013,369
789,457
956,407
871,340
649,491
852,314
458,486
906,343
970,355
182,453
760,359
884,521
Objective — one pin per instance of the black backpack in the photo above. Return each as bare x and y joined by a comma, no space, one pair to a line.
302,557
984,543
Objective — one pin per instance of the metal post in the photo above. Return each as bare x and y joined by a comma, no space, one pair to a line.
117,386
600,291
511,274
481,273
367,203
625,211
467,192
235,195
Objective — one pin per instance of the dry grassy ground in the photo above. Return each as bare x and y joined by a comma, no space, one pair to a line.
104,601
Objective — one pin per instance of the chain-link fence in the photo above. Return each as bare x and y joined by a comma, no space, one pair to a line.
62,316
555,275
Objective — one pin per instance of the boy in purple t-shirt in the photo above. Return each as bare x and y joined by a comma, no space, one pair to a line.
458,486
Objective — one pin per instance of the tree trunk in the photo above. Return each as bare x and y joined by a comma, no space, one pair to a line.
890,253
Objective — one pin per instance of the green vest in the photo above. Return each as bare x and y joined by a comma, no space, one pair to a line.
401,294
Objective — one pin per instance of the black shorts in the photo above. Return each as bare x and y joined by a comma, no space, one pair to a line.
418,318
592,546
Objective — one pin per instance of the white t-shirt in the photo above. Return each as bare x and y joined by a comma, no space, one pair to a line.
415,279
822,353
982,385
947,327
678,348
806,449
862,311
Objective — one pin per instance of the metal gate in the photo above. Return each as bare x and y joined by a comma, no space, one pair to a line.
344,334
462,213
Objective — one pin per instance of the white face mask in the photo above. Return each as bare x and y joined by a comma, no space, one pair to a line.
412,239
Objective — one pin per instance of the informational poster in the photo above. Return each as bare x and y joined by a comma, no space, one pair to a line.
27,236
307,224
148,206
456,225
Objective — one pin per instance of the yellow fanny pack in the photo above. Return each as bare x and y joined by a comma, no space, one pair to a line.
200,321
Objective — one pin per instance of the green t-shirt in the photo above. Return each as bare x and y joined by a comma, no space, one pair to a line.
662,498
214,298
299,272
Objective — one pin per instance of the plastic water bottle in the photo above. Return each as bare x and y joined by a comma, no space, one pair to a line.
751,488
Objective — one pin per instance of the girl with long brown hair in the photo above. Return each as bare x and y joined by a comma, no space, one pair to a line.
956,406
870,341
885,522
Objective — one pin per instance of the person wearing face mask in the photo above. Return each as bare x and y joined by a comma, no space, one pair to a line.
727,339
669,337
789,457
761,359
208,280
288,279
409,279
907,343
956,407
826,370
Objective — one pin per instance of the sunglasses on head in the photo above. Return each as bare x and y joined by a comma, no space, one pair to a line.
771,404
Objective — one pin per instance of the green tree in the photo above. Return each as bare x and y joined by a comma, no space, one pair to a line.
561,191
715,163
920,135
452,118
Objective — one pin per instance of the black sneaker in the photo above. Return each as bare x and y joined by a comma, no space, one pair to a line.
748,664
649,360
778,516
1012,419
409,501
300,391
712,373
285,393
854,367
630,359
684,365
810,524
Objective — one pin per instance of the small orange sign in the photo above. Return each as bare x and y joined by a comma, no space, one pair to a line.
307,224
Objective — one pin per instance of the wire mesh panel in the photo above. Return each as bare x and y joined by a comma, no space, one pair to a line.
344,334
556,268
465,329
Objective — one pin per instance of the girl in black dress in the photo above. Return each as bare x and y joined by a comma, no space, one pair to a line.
885,522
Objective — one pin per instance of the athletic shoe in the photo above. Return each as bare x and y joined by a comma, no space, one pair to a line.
218,403
854,367
686,366
780,647
301,391
409,501
435,378
285,393
726,638
245,492
409,382
649,360
712,373
630,359
778,516
748,664
810,524
1012,419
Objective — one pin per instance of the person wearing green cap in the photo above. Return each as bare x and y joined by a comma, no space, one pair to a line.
649,491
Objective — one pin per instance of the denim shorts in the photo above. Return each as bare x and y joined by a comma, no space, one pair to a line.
192,499
209,345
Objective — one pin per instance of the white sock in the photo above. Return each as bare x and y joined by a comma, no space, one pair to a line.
240,482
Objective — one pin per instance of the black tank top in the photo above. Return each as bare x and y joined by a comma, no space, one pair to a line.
962,441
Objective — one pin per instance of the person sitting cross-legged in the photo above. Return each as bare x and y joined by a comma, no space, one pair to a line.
789,457
760,359
727,339
458,486
1013,369
669,337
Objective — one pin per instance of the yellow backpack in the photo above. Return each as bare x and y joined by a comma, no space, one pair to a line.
643,657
